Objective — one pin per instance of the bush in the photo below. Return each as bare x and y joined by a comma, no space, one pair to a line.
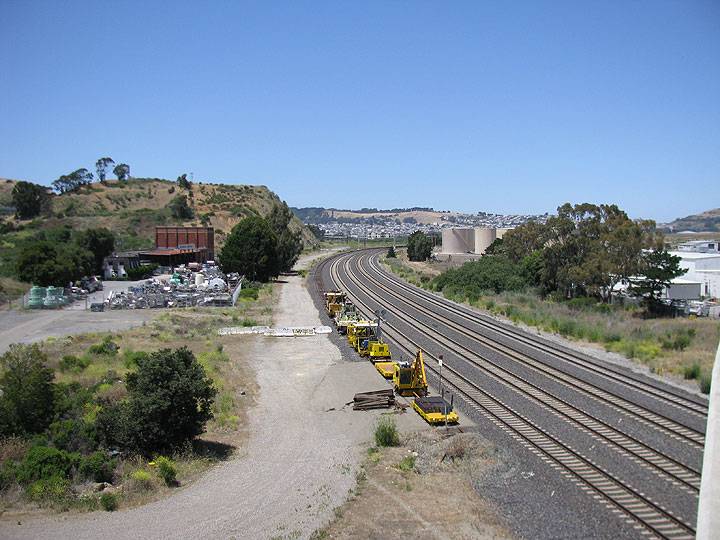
249,322
492,272
97,467
106,347
109,502
73,435
53,489
27,393
705,383
692,371
386,433
141,480
249,293
141,272
169,401
407,463
73,363
43,463
166,470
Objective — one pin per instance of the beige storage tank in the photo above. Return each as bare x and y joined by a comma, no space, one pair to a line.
499,233
458,240
483,238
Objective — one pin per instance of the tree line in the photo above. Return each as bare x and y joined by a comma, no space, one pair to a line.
583,251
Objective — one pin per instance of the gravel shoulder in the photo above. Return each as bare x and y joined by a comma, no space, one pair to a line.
300,462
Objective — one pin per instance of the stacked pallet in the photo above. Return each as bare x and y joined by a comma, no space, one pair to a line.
377,399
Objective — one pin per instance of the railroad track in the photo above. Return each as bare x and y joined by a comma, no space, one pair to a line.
655,420
650,516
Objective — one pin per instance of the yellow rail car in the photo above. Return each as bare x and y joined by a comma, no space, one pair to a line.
386,369
348,314
435,410
353,329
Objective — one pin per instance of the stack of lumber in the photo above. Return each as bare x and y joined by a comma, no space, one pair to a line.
378,399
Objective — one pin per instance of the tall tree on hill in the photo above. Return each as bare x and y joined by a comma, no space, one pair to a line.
657,269
100,242
251,249
30,200
122,171
183,182
72,181
101,166
180,209
289,243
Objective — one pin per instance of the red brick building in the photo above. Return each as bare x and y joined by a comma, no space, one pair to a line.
181,245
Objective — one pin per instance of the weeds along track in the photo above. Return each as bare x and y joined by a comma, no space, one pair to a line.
658,421
620,496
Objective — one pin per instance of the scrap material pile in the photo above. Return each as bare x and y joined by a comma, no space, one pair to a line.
185,288
378,399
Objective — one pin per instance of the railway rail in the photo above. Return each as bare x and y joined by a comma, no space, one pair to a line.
350,272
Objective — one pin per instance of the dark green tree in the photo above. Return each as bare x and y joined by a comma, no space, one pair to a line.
100,242
657,269
251,249
73,181
169,402
419,246
391,253
30,200
101,166
122,171
180,209
44,262
26,391
289,242
183,182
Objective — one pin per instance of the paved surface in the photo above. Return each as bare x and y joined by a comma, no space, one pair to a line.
299,464
543,503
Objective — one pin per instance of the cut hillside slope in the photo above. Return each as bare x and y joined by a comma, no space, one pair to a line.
133,208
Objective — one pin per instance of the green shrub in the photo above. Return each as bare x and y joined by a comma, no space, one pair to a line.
407,463
74,363
692,371
678,342
141,480
109,502
43,462
131,358
705,383
249,322
106,347
72,435
249,293
141,272
97,467
166,470
56,488
7,475
386,433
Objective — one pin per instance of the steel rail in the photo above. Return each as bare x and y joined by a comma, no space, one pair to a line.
590,476
654,419
673,399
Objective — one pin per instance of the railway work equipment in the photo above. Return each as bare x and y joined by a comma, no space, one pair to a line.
369,343
409,379
334,302
436,410
347,314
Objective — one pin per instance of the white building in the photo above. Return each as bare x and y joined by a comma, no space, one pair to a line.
700,246
703,268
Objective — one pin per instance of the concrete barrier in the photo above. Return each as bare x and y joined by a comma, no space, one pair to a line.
708,523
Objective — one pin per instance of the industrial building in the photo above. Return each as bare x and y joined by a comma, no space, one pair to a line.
468,243
700,246
703,268
181,245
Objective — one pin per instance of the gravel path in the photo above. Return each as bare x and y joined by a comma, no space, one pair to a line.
299,464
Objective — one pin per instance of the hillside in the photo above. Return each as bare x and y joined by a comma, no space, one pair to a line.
132,209
708,221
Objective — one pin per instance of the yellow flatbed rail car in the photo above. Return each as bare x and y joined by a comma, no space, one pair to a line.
386,369
435,410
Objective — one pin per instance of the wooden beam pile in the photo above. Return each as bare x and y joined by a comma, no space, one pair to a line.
377,399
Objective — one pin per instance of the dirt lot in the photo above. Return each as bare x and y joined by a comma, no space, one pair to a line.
422,489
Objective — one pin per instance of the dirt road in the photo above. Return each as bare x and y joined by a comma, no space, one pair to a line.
299,464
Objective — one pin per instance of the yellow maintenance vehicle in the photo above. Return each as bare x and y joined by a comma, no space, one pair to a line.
409,378
369,343
386,369
347,314
334,301
436,410
354,328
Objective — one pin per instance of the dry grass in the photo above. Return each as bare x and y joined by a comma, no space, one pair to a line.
11,289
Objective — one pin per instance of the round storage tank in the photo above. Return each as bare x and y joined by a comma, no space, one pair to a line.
499,233
457,240
483,239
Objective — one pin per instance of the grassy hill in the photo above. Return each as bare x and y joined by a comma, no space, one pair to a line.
132,209
708,221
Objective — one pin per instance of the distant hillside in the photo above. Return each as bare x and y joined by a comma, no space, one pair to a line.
708,221
132,209
316,215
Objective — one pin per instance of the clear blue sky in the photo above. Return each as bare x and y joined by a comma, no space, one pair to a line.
510,107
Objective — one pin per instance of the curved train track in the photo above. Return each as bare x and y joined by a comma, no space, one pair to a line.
354,274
